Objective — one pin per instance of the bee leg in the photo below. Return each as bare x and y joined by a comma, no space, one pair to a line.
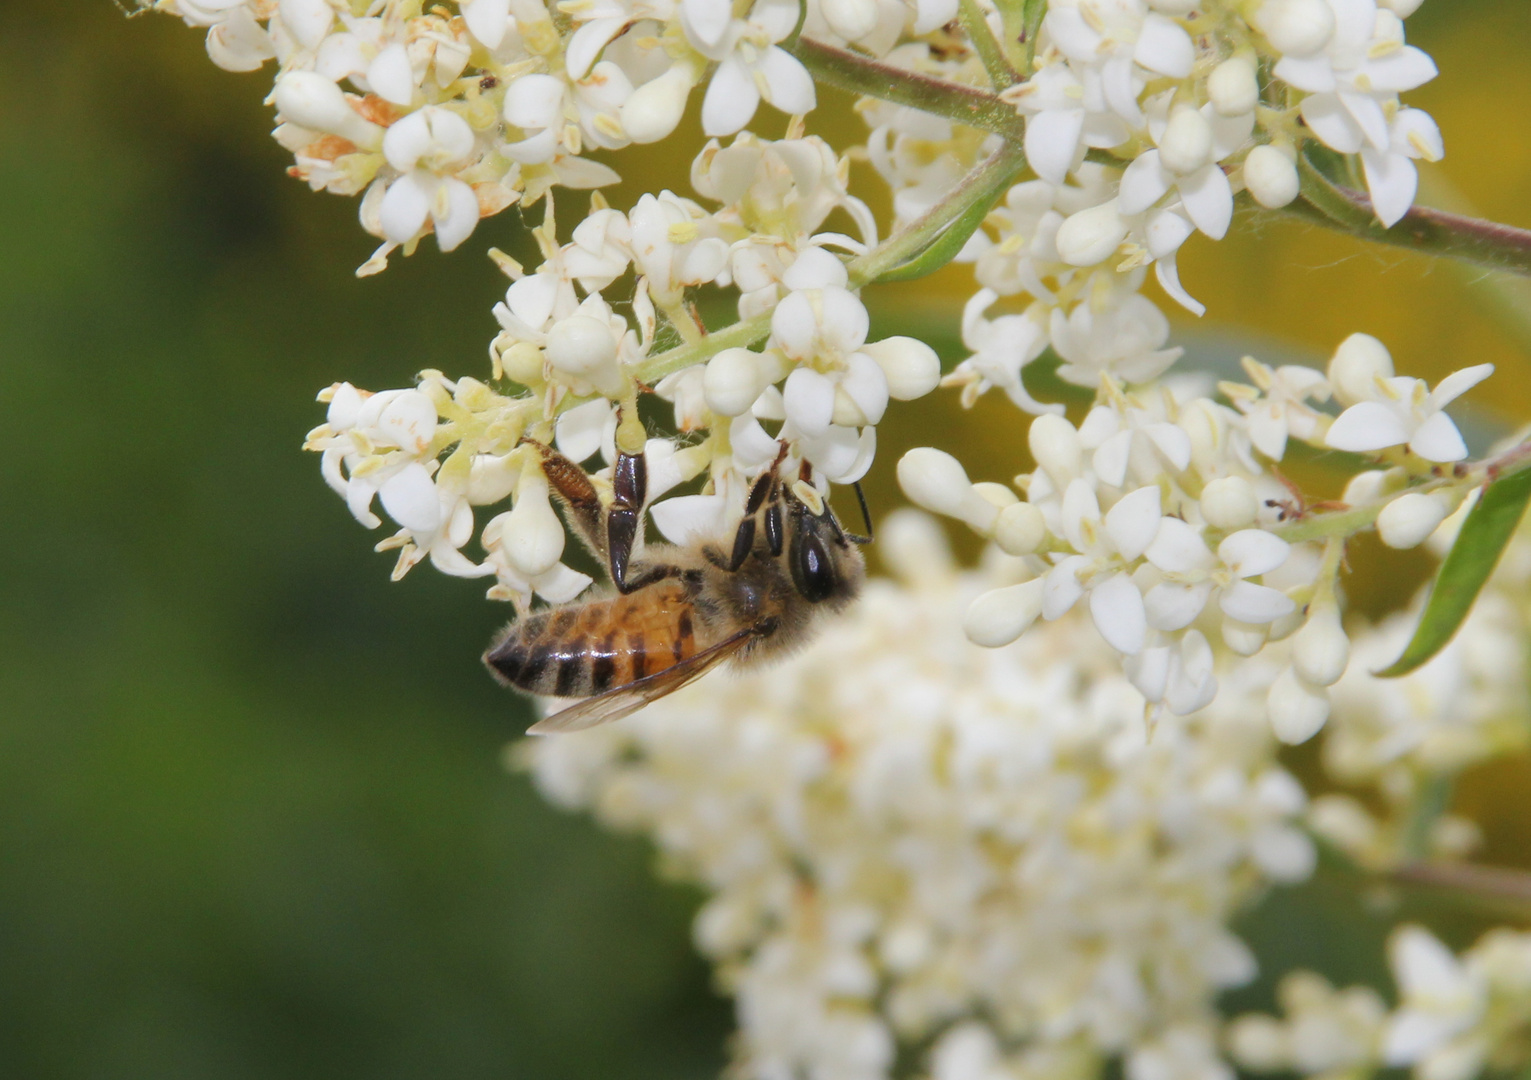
629,489
774,527
744,539
574,489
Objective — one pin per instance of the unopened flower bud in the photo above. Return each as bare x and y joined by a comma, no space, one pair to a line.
851,19
1229,503
912,367
584,347
1407,520
310,100
1055,446
1020,529
654,110
1297,708
1187,142
1373,484
1270,177
933,479
1296,27
996,495
936,481
1244,638
1000,616
522,363
1320,650
531,536
732,382
1091,235
1233,88
1357,365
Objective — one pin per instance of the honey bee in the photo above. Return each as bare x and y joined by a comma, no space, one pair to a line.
677,612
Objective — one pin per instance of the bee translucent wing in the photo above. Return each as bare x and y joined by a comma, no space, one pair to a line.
625,700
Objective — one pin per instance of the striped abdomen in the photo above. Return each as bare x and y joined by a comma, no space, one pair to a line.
586,649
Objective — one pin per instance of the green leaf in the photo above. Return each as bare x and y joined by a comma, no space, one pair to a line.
1472,558
944,248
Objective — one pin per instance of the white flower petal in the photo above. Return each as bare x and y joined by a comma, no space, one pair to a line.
1251,552
1392,181
1208,199
1178,548
1174,607
1332,123
410,498
1133,522
391,77
580,431
1144,183
560,584
404,208
1116,605
1052,139
809,399
1164,46
1366,426
1256,604
1458,383
1061,588
460,216
707,20
688,519
1438,439
788,86
731,100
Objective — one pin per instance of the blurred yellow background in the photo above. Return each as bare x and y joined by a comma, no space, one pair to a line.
253,818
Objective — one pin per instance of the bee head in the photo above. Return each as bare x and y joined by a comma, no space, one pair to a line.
821,559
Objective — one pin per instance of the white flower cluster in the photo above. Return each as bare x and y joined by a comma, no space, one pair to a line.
908,838
444,114
1456,1016
1144,119
819,382
1160,510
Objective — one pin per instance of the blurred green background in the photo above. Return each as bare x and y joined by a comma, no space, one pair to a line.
253,817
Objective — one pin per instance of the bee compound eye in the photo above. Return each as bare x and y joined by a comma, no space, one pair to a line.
813,569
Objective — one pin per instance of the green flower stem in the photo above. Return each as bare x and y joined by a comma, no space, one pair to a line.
1353,519
1487,886
741,334
858,74
1431,232
984,181
1001,74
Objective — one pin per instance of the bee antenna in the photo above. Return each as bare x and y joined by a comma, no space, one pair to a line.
866,517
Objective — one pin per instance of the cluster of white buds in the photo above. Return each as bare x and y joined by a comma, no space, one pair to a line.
1162,510
1456,1017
